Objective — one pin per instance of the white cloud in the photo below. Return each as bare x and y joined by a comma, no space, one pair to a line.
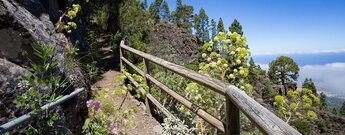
301,52
328,77
263,66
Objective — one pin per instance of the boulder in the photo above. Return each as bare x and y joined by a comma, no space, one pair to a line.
20,29
10,75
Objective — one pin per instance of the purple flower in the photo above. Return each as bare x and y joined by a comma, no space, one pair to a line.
89,103
113,129
23,84
94,104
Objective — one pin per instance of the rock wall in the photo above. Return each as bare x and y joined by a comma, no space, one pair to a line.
10,75
20,28
23,23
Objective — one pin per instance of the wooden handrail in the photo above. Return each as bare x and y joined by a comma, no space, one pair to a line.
236,100
200,112
31,115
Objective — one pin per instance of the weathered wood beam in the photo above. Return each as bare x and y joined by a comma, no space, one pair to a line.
147,82
152,99
200,112
214,84
265,120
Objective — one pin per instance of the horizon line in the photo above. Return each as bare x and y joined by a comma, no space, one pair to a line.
301,52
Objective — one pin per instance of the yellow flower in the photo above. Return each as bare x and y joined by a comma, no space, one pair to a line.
229,33
238,61
242,87
204,55
232,76
219,62
227,41
213,64
216,38
241,72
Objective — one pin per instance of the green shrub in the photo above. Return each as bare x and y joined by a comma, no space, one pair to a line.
296,105
101,17
115,40
43,87
175,127
302,126
92,71
192,67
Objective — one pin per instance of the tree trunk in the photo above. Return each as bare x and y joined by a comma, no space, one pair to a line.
283,83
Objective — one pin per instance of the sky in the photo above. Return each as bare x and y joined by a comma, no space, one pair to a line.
281,26
310,31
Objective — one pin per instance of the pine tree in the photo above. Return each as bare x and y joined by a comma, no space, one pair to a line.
213,28
267,90
312,87
282,71
220,26
252,74
196,21
204,26
236,27
165,12
155,9
305,83
144,4
323,101
178,3
342,109
201,26
334,111
182,16
129,12
252,64
308,83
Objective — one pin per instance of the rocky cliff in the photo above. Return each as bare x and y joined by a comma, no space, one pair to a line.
23,23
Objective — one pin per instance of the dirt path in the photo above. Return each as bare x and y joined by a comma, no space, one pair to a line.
144,124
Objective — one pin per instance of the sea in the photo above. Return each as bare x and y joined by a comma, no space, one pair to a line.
327,70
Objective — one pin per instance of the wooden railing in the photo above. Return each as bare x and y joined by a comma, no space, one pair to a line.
236,100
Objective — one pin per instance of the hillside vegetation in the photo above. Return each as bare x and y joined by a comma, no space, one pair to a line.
93,30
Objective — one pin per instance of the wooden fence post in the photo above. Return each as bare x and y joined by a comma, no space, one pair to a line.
121,55
147,82
232,118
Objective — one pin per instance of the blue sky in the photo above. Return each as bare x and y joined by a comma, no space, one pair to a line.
281,26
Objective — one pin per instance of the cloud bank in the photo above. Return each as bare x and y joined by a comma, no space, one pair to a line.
328,77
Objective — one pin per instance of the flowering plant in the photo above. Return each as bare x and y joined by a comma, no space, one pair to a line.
41,88
95,105
113,129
